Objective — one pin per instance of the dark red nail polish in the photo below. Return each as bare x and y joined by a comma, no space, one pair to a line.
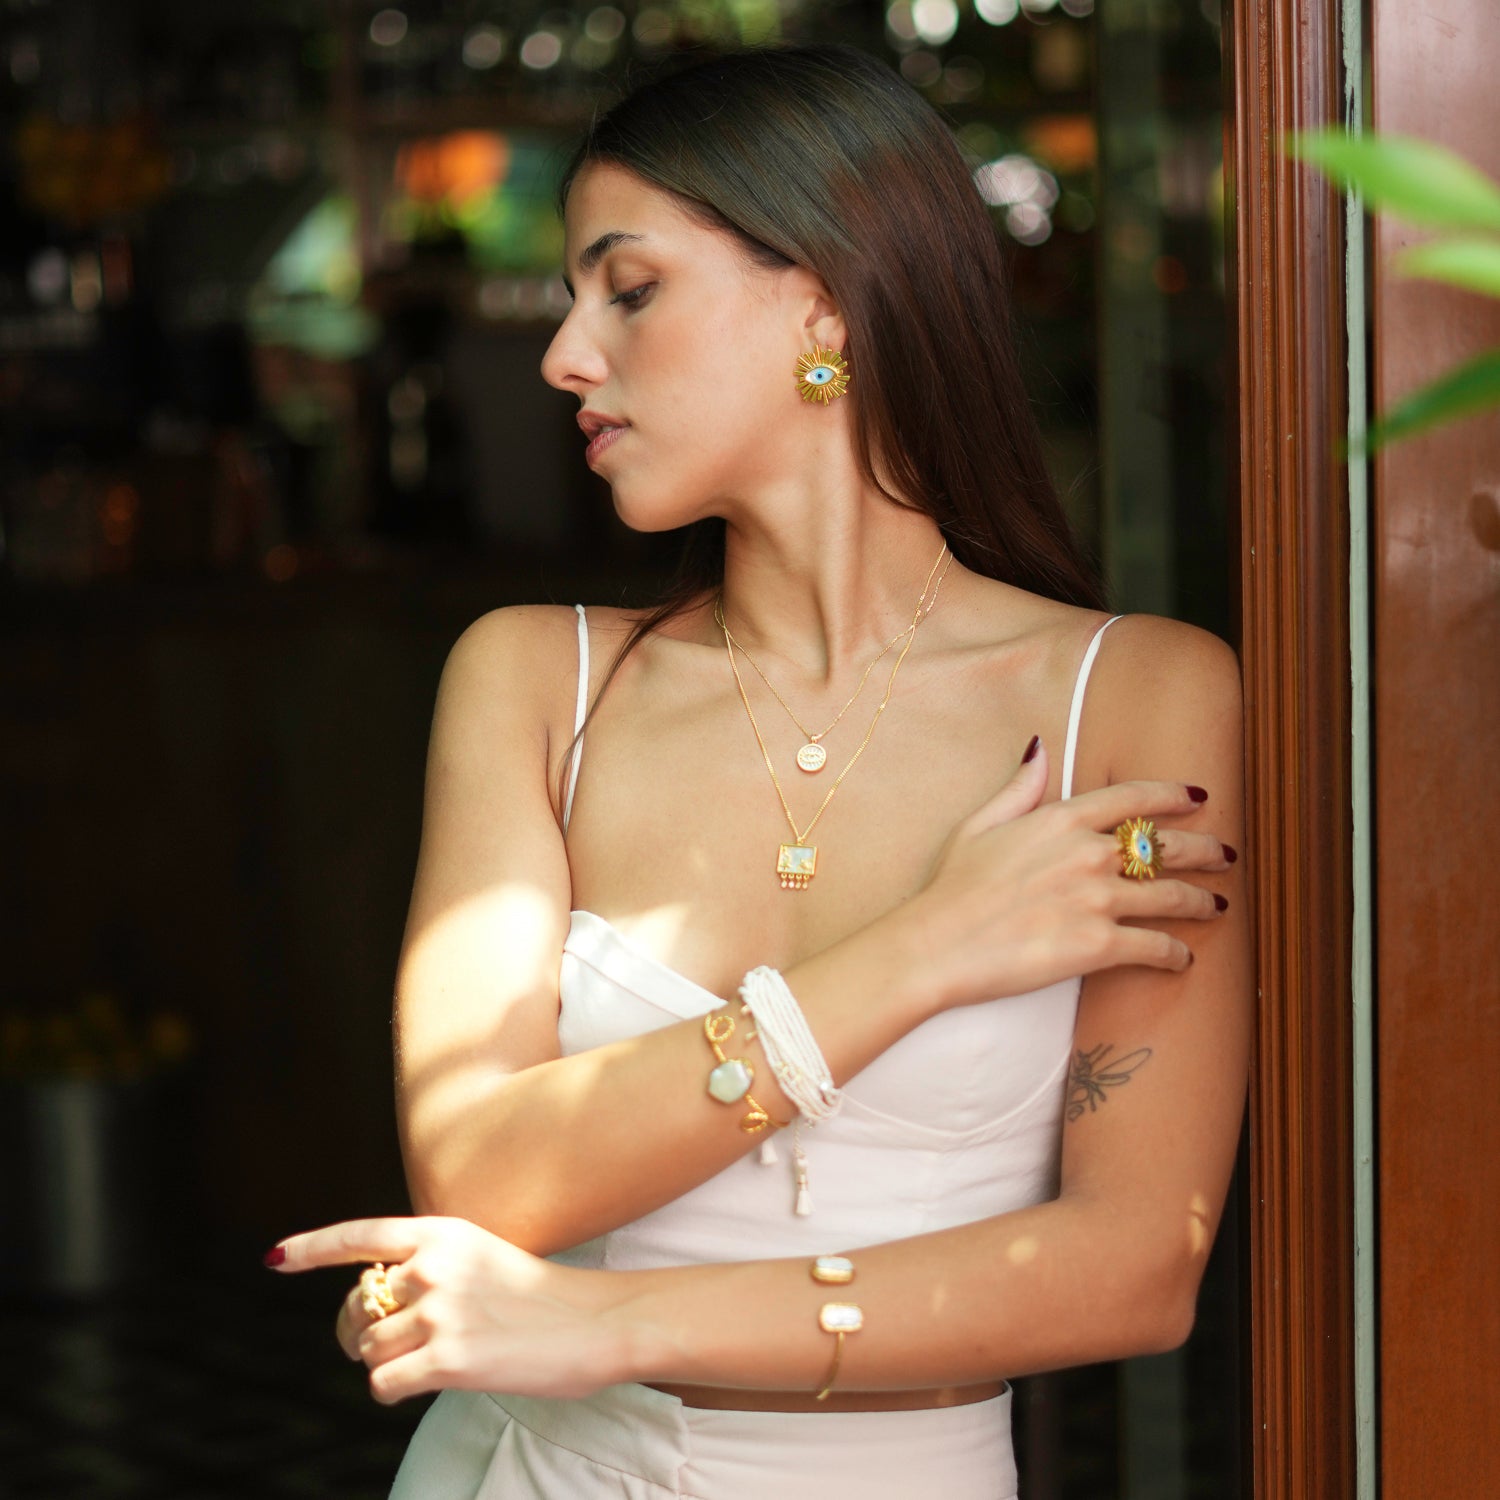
1229,854
275,1255
1197,794
1220,902
1031,749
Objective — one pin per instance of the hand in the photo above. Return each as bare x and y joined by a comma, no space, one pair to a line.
476,1312
1023,895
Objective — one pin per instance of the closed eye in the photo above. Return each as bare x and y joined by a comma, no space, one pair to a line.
634,295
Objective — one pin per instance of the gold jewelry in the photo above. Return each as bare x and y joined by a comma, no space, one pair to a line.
1140,849
812,757
822,375
833,1270
837,1318
730,1081
797,862
375,1292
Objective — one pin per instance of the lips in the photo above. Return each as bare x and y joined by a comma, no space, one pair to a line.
601,430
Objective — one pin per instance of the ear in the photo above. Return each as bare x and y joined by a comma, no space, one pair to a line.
822,321
825,326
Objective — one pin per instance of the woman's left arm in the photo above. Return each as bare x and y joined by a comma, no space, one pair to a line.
1108,1269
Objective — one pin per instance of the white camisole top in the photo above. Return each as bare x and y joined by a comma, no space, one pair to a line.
959,1120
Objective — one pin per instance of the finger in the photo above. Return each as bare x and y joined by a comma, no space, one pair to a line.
344,1244
406,1282
405,1376
1181,850
390,1337
352,1322
1150,948
1020,794
1168,900
1107,807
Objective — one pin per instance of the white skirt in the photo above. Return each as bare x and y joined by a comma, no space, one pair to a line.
631,1442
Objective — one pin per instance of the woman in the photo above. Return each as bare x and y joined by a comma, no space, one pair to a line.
850,819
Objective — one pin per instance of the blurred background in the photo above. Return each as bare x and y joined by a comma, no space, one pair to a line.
275,280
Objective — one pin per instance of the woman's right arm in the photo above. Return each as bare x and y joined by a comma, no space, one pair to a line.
496,1127
548,1151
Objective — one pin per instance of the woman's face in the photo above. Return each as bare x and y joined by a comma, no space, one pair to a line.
672,334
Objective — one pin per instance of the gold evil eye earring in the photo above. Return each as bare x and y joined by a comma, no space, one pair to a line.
822,375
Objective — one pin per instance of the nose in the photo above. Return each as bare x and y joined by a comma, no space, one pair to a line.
573,361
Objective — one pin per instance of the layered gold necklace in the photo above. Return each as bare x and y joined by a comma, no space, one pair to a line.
812,757
797,862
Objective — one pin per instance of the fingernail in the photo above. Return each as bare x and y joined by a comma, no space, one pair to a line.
1220,902
1197,794
275,1255
1229,854
1031,749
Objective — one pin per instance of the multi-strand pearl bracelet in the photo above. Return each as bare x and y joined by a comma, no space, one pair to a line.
796,1060
793,1052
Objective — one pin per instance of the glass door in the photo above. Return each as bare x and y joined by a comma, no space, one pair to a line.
1153,487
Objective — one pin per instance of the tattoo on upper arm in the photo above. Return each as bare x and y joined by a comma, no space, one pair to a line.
1096,1071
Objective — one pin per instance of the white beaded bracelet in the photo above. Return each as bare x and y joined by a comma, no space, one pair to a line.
793,1052
797,1061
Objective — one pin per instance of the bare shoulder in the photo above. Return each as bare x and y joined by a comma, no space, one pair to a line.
506,689
511,678
1164,699
1150,651
504,639
520,656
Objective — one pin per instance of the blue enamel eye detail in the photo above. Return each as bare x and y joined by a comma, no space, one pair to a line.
820,375
1143,849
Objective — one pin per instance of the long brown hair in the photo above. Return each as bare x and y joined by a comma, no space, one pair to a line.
823,157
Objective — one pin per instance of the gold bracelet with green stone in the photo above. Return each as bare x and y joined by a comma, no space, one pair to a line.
730,1081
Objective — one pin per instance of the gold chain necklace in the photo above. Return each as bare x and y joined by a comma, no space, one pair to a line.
812,757
797,862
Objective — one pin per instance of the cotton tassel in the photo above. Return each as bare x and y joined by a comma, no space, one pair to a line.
799,1169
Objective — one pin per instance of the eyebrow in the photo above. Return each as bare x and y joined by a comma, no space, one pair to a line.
594,253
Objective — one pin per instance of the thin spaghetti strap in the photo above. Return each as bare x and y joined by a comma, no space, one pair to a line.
1075,711
578,716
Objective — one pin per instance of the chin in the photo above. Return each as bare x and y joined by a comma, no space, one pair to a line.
653,512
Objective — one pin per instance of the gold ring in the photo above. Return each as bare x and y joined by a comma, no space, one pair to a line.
375,1292
1140,849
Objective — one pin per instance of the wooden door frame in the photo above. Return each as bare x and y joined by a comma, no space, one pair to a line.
1285,271
1435,609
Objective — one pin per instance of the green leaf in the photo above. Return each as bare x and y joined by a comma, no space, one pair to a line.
1402,175
1468,261
1470,388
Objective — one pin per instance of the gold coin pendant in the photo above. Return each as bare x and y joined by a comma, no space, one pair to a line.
812,758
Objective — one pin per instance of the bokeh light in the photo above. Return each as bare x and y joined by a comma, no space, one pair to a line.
921,69
604,24
388,28
654,26
541,50
935,20
483,47
997,12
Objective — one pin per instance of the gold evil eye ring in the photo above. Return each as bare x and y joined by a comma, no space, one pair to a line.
822,375
1140,849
